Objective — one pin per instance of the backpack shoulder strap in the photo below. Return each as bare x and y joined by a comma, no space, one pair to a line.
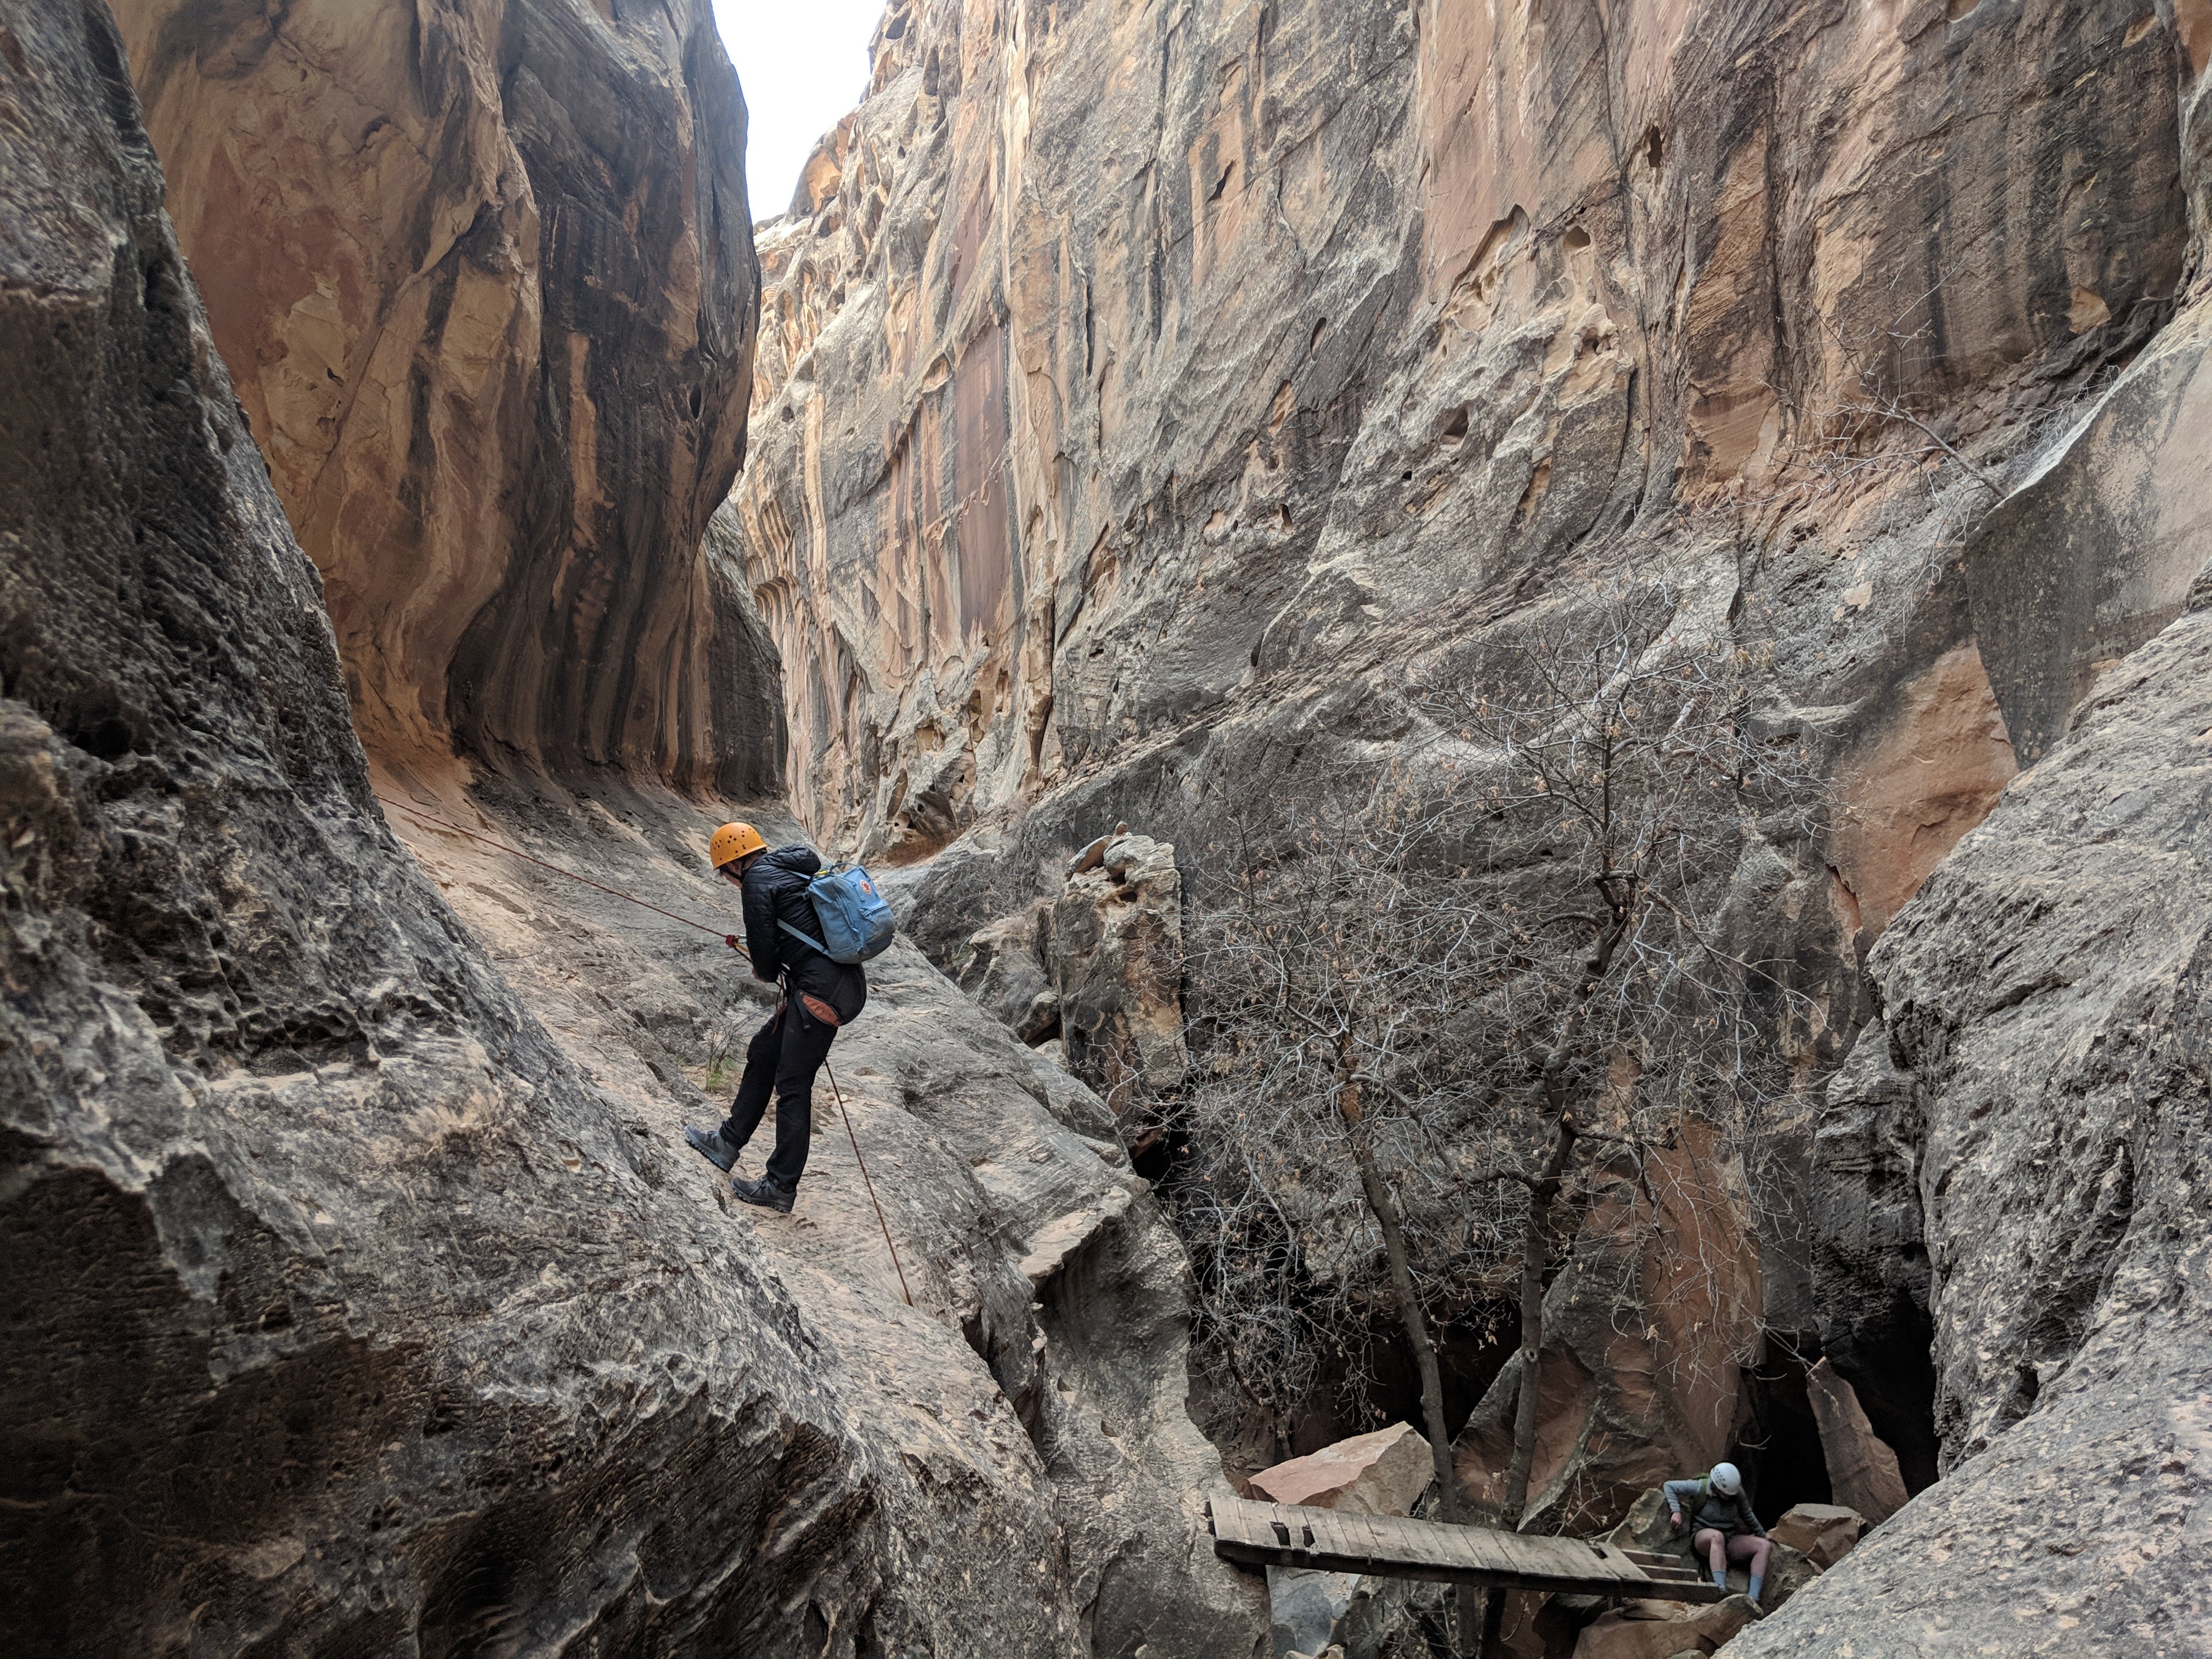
804,938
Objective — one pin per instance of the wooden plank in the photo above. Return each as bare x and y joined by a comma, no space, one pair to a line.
1347,1539
1229,1518
1614,1560
1483,1547
1395,1546
1355,1535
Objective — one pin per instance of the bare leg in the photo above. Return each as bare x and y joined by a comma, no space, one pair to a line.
1753,1551
1712,1543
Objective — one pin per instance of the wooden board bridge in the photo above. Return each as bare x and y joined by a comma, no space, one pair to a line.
1394,1546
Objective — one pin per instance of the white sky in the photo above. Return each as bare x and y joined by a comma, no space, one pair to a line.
804,63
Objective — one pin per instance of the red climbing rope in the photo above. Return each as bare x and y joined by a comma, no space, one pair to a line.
432,817
869,1184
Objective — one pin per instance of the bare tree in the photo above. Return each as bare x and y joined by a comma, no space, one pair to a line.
1429,1033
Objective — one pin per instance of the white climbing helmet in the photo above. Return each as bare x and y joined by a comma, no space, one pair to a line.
1727,1478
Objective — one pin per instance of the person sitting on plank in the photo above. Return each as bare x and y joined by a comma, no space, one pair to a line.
1726,1528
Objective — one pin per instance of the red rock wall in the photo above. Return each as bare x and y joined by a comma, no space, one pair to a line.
1328,333
483,275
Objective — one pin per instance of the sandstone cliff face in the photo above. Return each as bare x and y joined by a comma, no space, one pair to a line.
2046,1001
484,280
1145,384
353,1310
1141,390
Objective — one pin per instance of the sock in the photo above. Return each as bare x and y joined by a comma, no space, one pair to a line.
1720,1577
1757,1579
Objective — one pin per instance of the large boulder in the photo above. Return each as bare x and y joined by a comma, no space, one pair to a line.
1003,968
1384,1473
1823,1533
1662,1629
1038,1263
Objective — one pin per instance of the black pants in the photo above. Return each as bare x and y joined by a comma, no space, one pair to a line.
781,1060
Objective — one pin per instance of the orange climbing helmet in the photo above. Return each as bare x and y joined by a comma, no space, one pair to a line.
734,841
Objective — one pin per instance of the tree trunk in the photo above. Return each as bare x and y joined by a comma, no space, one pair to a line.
1536,1249
1385,1210
1536,1257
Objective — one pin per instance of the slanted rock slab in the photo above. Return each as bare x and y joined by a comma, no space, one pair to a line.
1862,1467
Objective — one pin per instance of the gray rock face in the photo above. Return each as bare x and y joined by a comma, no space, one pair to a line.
2047,993
1125,434
1096,971
1049,1295
1114,953
2096,552
1120,435
349,1309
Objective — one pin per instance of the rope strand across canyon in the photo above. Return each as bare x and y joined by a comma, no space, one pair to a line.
851,1134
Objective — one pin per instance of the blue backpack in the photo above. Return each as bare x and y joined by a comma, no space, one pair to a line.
856,922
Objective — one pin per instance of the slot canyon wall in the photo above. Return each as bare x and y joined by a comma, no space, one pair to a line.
1142,390
484,278
363,1297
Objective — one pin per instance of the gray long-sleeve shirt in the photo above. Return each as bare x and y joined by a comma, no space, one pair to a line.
1712,1509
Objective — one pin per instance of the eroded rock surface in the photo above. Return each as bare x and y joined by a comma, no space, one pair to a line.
351,1308
1144,392
1139,388
483,276
1112,950
2047,996
1037,1261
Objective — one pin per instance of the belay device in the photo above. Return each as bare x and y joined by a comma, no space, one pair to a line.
855,921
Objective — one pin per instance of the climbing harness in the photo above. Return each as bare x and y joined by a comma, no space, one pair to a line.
729,938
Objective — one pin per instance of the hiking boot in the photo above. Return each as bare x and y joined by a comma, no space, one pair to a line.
710,1146
765,1192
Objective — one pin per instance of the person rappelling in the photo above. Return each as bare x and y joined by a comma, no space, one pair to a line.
809,930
